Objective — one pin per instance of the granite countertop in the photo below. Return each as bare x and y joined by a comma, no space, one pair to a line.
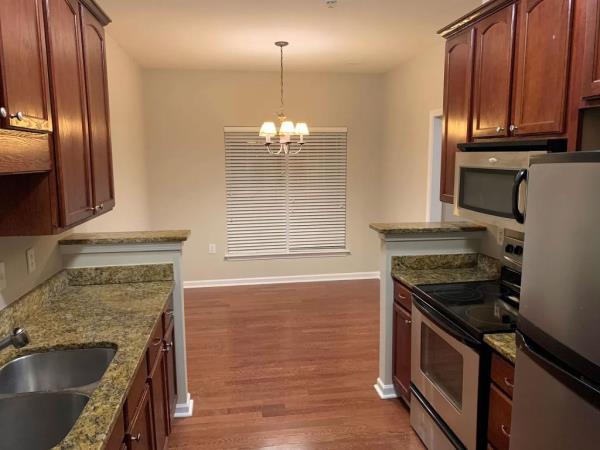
434,269
126,237
503,343
425,227
122,314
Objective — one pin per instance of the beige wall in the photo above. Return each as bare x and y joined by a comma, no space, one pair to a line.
125,88
412,91
186,112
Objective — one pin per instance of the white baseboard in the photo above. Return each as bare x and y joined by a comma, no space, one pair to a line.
385,391
284,279
185,409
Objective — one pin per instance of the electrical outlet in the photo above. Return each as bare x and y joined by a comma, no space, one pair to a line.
212,248
2,276
30,255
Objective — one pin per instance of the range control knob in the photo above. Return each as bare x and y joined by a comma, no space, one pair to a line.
518,250
509,248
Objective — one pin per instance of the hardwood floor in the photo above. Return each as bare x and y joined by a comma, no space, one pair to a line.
288,366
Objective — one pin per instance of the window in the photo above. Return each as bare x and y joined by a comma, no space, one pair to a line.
285,205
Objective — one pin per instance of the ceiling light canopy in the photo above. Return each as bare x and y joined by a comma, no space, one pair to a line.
287,129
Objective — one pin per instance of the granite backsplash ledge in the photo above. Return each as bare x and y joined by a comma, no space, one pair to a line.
452,268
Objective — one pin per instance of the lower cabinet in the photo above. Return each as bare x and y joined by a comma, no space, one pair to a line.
140,434
401,343
146,420
500,409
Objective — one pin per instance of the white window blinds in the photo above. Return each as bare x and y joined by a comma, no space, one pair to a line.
285,205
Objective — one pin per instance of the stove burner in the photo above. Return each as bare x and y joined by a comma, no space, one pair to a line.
489,314
459,295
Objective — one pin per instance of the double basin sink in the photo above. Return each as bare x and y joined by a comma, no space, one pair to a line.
43,394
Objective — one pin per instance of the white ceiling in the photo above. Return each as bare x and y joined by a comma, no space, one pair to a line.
369,36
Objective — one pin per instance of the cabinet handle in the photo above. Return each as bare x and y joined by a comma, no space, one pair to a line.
138,437
499,129
167,348
509,383
3,112
401,297
514,128
408,322
18,116
169,313
504,432
156,341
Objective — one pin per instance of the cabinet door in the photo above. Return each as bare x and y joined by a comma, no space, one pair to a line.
457,106
401,351
591,58
171,374
94,56
140,435
160,407
542,66
24,73
69,111
494,48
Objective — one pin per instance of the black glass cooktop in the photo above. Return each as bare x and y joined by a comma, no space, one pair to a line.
478,307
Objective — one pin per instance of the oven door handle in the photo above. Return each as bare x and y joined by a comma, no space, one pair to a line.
520,177
445,324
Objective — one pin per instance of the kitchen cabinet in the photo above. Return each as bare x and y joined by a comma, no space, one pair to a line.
94,57
458,74
591,61
171,374
500,403
494,53
25,99
61,147
542,67
150,406
67,77
401,343
140,434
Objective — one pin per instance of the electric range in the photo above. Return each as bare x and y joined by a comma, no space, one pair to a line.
450,365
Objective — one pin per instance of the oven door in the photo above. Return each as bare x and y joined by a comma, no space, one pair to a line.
445,370
491,187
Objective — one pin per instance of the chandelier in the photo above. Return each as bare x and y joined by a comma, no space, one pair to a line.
287,129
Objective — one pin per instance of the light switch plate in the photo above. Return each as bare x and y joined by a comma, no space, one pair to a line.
3,283
212,248
31,264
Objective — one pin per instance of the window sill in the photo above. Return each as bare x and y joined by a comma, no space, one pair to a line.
316,254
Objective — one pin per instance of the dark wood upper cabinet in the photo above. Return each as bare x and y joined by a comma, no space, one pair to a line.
23,69
591,59
94,55
401,351
494,51
67,79
542,67
458,76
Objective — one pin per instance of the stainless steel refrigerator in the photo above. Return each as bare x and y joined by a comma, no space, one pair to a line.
557,381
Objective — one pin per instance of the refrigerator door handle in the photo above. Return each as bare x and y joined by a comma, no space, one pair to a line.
578,384
520,177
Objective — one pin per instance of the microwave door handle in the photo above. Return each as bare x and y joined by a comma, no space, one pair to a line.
519,179
444,323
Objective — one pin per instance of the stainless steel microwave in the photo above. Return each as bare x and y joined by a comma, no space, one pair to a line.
491,187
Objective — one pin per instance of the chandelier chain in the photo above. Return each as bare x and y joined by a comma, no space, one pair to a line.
281,66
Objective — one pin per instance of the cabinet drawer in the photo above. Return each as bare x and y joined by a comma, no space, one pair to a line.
503,374
116,440
155,346
499,419
402,295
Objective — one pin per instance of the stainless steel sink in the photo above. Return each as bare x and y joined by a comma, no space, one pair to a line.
38,421
55,370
